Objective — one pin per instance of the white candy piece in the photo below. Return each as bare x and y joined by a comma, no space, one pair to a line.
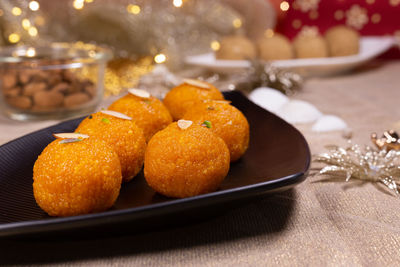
139,93
268,98
298,111
70,136
116,114
184,124
329,123
197,83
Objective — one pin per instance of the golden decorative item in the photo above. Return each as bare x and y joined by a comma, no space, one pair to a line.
141,33
124,73
260,74
379,166
389,140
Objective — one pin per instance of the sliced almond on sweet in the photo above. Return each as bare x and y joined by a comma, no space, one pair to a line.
70,140
70,136
184,124
197,83
116,114
139,93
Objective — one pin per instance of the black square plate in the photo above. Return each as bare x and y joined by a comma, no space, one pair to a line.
277,159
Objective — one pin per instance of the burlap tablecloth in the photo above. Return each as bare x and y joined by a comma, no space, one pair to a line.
315,224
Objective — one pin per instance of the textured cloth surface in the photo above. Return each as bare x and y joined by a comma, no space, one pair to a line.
318,223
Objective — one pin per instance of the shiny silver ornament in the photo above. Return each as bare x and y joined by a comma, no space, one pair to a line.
367,164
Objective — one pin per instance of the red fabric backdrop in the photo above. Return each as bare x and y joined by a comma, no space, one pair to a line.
369,17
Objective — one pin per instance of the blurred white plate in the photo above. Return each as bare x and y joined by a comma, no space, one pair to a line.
370,47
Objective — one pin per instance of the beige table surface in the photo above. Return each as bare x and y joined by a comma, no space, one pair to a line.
315,224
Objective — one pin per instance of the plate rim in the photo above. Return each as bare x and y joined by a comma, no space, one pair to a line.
114,216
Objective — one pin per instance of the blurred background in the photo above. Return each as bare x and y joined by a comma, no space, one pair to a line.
144,33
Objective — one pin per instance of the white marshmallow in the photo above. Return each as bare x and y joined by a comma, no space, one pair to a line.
329,123
268,98
298,111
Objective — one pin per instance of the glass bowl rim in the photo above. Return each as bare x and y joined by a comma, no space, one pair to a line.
100,54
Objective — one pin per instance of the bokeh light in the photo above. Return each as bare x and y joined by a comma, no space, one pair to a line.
284,6
30,52
134,9
14,38
16,11
26,24
34,5
33,31
237,23
78,4
215,45
160,58
177,3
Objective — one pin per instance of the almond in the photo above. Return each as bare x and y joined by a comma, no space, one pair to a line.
184,124
197,83
61,87
70,140
139,93
116,114
76,99
48,99
32,88
12,92
22,102
9,80
91,89
70,136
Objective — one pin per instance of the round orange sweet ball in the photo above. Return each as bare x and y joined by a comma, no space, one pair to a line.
224,120
185,162
76,178
149,113
123,135
182,97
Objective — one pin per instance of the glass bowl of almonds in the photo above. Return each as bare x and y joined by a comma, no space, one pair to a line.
53,81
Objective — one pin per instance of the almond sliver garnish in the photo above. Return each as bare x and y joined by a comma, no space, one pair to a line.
70,140
70,136
184,124
197,83
116,114
139,93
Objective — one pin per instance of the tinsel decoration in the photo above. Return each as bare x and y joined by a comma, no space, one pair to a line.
285,81
124,73
390,140
163,30
161,79
138,28
138,31
367,164
264,74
